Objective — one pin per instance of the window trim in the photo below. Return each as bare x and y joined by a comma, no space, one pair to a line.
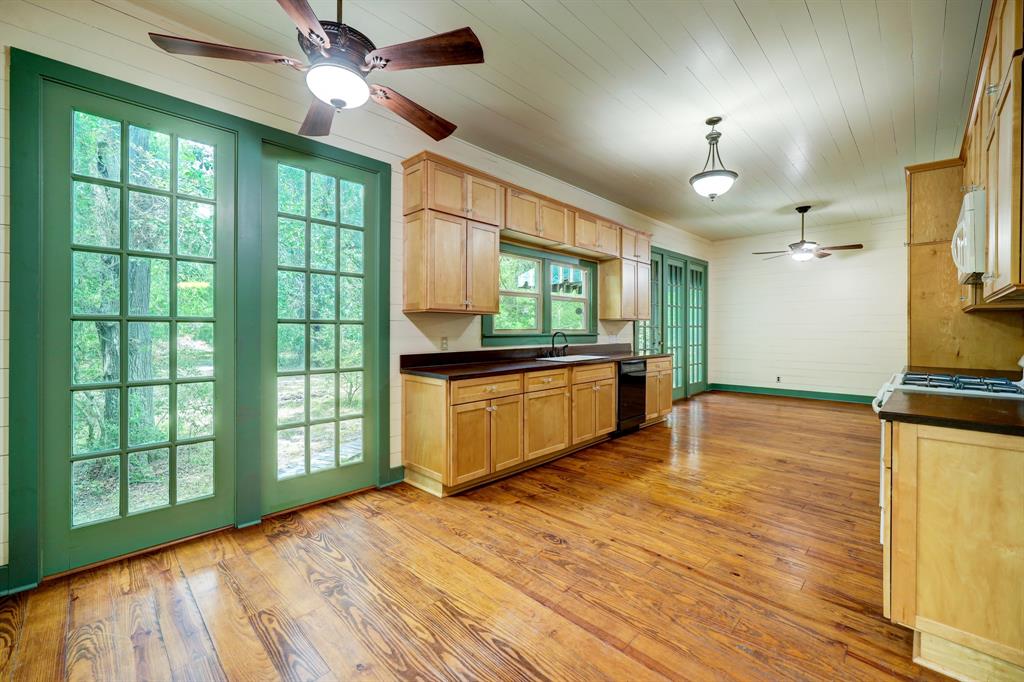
489,337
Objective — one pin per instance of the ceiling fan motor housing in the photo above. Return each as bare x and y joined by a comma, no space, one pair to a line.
348,47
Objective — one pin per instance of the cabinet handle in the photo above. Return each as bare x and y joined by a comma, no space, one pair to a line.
548,380
492,409
597,388
988,277
991,89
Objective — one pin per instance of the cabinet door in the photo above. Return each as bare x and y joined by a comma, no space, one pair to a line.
958,537
554,222
446,262
628,311
482,242
643,247
469,449
546,424
627,243
665,392
413,185
486,200
506,432
652,395
586,231
446,189
1003,187
643,291
584,412
523,212
607,238
606,407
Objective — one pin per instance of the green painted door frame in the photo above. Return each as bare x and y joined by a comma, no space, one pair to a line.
671,317
29,72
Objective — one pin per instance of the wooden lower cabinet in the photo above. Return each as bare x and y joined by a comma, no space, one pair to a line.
546,422
955,568
459,433
507,419
659,388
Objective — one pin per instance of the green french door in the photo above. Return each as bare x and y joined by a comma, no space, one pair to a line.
138,377
678,323
320,313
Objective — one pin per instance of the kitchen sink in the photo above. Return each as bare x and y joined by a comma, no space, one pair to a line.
574,358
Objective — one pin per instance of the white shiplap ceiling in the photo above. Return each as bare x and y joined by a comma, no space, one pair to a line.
824,101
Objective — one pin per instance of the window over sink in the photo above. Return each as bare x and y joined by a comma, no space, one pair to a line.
541,293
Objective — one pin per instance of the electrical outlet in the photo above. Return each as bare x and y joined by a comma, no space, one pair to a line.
778,380
444,343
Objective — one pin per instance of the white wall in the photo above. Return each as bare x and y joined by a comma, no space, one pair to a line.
113,41
837,324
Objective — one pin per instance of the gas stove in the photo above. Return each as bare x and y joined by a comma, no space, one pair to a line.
960,384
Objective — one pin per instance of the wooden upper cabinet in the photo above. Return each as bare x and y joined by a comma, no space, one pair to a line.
935,204
643,291
553,221
624,290
450,264
1003,193
523,212
1006,37
486,200
446,189
607,237
635,245
585,231
482,244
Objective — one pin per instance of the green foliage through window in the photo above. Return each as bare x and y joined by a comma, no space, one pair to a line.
541,293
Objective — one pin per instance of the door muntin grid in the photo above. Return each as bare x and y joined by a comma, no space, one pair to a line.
142,331
675,319
320,339
695,326
648,332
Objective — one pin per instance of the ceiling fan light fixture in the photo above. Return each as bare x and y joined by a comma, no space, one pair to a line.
810,246
337,85
802,255
717,180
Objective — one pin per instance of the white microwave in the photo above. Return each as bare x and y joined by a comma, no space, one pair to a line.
968,246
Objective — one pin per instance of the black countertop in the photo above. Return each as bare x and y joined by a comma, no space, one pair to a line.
477,364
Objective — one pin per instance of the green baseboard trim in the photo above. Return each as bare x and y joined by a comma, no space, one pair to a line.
20,588
394,475
792,393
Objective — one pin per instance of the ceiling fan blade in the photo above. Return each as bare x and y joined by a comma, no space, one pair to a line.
431,124
445,49
318,119
842,247
305,20
765,253
200,48
784,253
821,254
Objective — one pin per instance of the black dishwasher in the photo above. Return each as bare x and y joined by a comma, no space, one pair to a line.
632,395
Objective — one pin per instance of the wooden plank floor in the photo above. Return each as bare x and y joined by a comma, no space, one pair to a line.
739,542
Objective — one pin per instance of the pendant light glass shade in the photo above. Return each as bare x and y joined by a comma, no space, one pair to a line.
716,180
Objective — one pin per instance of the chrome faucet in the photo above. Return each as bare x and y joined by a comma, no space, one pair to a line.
565,348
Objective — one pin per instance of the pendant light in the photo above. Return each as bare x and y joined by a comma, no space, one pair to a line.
717,180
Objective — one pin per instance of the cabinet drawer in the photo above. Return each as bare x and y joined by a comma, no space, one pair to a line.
659,364
468,390
586,373
545,379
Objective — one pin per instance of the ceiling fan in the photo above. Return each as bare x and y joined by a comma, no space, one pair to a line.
340,58
805,250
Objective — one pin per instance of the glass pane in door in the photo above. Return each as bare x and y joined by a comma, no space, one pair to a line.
696,329
675,322
648,332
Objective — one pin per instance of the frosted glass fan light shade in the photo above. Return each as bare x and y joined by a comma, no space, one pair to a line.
803,255
713,183
337,85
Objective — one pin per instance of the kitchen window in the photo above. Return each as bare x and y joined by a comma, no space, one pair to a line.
541,293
